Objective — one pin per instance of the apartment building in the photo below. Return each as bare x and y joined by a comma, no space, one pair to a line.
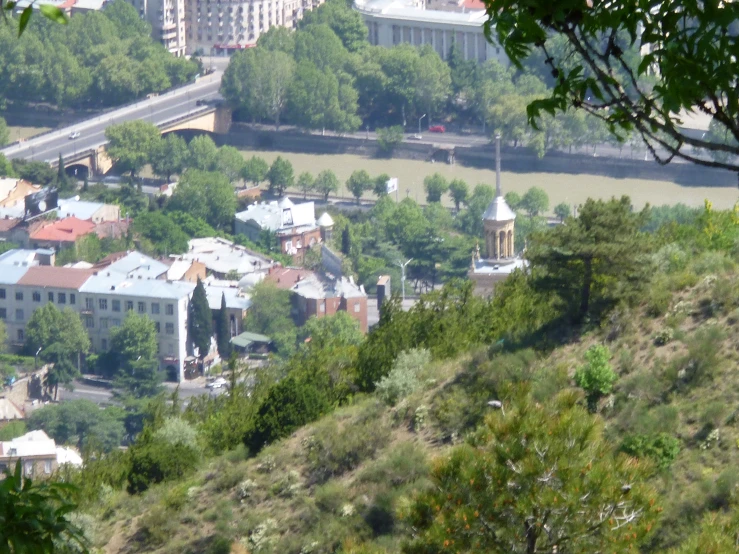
167,20
39,455
102,295
221,27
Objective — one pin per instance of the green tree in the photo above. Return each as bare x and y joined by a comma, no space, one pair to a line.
255,170
326,183
223,332
596,377
200,321
6,168
126,19
36,172
81,423
346,241
342,19
135,339
203,153
562,211
139,379
513,199
4,132
644,84
169,156
595,260
433,83
560,490
306,183
535,201
207,195
329,331
279,39
358,183
280,176
130,144
34,515
459,191
379,187
162,235
435,186
389,138
317,44
230,162
269,315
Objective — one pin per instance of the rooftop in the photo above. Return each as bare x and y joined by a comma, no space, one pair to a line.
407,10
114,283
35,443
8,410
499,210
24,258
309,284
223,256
64,230
81,209
56,277
279,216
235,297
325,220
8,223
134,265
498,267
245,339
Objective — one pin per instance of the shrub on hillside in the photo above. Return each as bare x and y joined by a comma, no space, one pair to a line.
702,361
405,464
661,448
403,377
157,461
596,377
332,451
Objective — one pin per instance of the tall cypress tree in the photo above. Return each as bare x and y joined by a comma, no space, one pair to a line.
223,336
61,174
200,320
346,241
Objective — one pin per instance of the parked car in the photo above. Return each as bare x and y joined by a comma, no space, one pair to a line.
437,129
74,135
217,384
416,137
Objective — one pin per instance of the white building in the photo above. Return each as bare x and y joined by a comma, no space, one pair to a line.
393,22
222,257
222,27
167,20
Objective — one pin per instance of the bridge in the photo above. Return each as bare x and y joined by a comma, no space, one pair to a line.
191,106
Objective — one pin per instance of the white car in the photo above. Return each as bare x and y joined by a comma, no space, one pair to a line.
74,135
416,137
218,383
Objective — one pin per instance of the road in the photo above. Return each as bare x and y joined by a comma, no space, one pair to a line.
101,395
159,109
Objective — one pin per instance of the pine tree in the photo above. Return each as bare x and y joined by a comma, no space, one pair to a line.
223,336
200,320
346,242
86,184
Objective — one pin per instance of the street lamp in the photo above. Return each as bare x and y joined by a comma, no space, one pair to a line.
402,277
35,357
419,123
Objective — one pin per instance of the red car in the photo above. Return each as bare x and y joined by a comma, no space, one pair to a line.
437,129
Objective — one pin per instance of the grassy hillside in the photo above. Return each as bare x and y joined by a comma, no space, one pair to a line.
342,481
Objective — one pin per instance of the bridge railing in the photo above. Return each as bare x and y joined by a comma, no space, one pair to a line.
139,103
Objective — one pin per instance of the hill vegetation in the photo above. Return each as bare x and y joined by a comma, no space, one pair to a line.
623,405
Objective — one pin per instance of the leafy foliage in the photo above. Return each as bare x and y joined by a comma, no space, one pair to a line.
596,377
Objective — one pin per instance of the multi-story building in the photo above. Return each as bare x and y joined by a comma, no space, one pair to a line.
393,22
294,224
221,27
38,454
167,20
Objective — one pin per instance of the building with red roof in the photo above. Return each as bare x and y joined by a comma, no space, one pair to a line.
60,234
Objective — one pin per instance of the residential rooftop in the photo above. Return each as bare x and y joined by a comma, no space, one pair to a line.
277,216
64,230
55,277
74,207
223,256
235,297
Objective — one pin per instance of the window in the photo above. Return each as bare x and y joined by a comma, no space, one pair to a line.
47,466
36,297
155,307
116,305
88,303
19,315
170,328
61,297
104,344
115,322
129,305
2,293
3,313
103,322
170,349
322,308
170,309
89,322
103,303
356,308
51,297
72,299
142,307
19,296
28,468
21,335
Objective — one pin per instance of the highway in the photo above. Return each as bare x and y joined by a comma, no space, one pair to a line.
158,110
100,395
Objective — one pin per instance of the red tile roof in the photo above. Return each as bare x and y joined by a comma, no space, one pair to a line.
68,229
57,277
473,5
286,277
8,223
